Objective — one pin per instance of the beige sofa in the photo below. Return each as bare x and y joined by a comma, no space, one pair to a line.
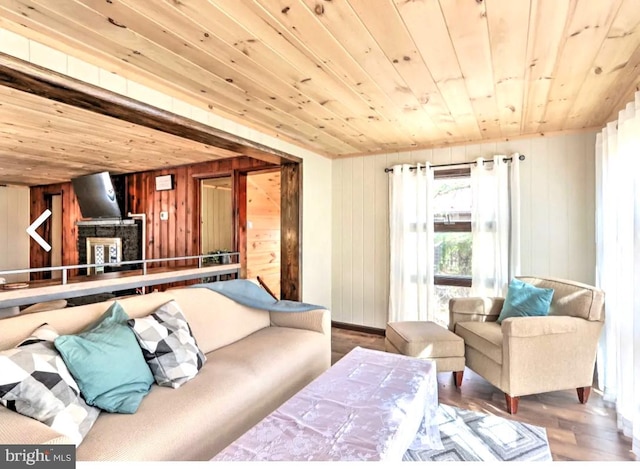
256,360
531,355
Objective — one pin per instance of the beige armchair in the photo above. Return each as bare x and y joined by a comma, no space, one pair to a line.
532,355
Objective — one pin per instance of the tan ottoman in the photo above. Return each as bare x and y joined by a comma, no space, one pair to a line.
426,339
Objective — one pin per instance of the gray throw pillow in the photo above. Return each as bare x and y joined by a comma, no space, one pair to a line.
168,345
34,381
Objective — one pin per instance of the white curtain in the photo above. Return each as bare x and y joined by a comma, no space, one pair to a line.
618,265
412,292
495,224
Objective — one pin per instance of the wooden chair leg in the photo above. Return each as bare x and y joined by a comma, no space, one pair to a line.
457,375
583,394
512,403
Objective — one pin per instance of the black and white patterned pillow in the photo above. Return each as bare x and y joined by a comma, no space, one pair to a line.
168,345
34,381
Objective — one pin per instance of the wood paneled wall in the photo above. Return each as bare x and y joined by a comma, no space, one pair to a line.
263,230
176,236
40,201
557,217
14,241
179,235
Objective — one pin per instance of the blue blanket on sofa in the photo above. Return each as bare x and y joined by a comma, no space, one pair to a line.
249,294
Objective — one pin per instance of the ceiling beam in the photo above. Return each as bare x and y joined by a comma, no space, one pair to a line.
30,78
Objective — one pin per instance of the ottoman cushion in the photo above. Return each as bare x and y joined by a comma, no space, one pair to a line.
424,339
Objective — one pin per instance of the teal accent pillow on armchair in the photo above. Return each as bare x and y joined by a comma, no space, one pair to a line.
523,299
107,363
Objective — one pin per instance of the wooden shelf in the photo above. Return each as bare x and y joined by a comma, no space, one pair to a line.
47,290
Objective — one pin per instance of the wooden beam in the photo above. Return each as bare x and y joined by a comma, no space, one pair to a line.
240,218
33,79
291,231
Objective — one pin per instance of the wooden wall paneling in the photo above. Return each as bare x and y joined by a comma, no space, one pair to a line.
239,186
291,226
263,237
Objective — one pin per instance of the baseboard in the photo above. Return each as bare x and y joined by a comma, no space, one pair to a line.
357,328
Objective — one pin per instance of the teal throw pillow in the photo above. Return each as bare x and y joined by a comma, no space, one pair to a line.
107,363
523,299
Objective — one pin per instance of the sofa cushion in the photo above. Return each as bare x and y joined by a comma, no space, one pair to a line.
203,307
238,386
168,345
525,300
485,337
107,363
34,381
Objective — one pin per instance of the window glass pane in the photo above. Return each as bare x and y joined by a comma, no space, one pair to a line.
452,254
452,199
443,295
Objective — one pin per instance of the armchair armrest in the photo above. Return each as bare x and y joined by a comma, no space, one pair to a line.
482,309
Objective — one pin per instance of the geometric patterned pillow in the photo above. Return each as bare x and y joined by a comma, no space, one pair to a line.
168,345
34,381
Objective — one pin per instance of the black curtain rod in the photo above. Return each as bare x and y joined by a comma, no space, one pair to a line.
520,157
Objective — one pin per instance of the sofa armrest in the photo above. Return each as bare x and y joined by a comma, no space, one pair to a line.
540,326
482,309
317,320
16,429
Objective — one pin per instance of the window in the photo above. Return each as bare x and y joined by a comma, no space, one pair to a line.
452,237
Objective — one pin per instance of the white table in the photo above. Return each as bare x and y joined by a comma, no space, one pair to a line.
369,406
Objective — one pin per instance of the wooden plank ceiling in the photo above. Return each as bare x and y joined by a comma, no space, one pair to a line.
346,77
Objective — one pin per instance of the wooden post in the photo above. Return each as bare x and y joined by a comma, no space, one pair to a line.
291,231
240,218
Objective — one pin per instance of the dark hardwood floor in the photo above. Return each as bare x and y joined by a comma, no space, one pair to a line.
576,432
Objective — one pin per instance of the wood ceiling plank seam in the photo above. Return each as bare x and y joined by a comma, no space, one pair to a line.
336,94
350,73
312,115
552,19
507,19
318,113
446,72
390,33
287,40
620,46
469,34
356,41
183,70
244,49
626,94
136,71
583,39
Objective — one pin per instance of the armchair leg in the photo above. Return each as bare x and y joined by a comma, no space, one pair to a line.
583,394
457,375
512,403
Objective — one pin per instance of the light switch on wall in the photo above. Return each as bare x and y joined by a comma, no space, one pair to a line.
164,215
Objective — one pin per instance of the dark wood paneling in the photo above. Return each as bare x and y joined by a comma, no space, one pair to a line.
291,232
40,199
240,218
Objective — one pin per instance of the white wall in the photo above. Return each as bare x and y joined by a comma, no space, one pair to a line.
558,217
14,240
316,223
